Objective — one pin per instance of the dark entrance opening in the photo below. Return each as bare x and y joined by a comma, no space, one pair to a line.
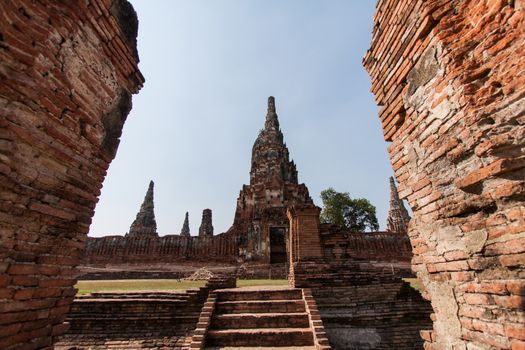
277,245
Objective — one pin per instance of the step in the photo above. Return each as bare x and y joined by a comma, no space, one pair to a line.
260,337
280,294
259,306
133,317
261,320
260,347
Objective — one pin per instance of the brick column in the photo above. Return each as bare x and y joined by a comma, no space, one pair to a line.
305,241
305,255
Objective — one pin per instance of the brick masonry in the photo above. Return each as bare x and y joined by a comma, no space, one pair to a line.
170,248
261,213
274,185
260,317
145,224
67,74
448,76
362,305
343,245
137,320
447,73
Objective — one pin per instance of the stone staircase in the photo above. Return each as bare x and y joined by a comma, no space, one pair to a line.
260,317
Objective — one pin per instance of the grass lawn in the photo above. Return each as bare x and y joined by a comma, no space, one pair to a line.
85,287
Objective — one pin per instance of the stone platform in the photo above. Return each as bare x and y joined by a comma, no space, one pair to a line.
136,320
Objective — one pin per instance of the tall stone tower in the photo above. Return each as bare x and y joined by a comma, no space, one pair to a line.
145,224
185,231
398,217
260,217
206,228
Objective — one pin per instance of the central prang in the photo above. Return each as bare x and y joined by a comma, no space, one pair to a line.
260,218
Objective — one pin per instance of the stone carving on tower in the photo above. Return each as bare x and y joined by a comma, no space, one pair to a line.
185,231
261,206
398,217
145,224
206,228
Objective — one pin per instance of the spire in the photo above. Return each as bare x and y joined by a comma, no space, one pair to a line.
185,231
271,116
270,156
271,105
206,228
145,224
398,217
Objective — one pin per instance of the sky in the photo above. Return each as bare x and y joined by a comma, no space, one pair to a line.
210,66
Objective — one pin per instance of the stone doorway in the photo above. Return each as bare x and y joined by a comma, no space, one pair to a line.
277,245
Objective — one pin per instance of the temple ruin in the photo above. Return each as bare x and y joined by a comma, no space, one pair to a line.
448,77
260,216
185,230
259,233
145,224
206,227
398,217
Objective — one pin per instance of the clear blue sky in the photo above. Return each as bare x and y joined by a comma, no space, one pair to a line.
210,66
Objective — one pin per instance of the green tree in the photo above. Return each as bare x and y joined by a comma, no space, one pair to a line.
353,214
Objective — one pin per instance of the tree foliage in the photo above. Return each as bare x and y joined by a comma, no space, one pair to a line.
353,214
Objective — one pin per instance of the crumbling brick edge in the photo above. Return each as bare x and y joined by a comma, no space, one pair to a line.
316,323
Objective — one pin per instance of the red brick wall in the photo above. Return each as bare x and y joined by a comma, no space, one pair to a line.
133,250
67,73
304,235
134,320
342,245
448,76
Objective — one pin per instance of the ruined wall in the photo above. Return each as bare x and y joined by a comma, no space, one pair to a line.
67,73
373,313
448,76
134,250
342,245
362,306
137,320
132,320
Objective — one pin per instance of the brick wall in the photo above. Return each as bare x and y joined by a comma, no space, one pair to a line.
137,320
448,76
370,246
67,74
132,320
373,313
119,249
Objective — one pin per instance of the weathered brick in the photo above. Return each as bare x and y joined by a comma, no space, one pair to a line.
45,208
460,136
516,331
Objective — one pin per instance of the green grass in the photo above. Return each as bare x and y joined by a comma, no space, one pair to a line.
415,283
85,287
